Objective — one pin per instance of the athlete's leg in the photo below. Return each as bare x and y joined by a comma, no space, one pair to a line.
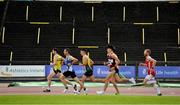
158,91
79,82
153,81
109,76
145,81
93,79
62,77
107,80
120,78
83,79
115,85
63,80
49,78
148,78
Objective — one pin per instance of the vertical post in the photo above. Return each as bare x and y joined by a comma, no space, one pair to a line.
3,33
125,58
4,16
178,36
165,58
124,13
109,35
27,12
51,56
73,33
11,56
38,37
60,13
157,14
143,38
92,13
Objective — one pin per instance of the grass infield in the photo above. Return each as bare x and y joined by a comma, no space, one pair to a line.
88,100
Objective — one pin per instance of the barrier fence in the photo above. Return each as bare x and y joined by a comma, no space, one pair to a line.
100,71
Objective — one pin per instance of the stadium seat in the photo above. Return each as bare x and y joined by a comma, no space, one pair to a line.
140,12
21,34
77,12
2,6
44,12
37,56
169,13
56,35
5,55
125,35
108,13
91,34
161,35
16,12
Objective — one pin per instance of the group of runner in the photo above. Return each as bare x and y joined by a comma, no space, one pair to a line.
112,63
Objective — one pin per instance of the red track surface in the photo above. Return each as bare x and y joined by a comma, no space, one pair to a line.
4,90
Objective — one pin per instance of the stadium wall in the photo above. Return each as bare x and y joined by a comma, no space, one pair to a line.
40,72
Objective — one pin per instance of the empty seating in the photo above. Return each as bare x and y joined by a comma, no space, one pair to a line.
78,12
56,35
94,24
31,56
91,34
108,13
173,54
20,35
161,35
5,52
169,13
98,54
135,54
125,35
16,12
44,12
140,12
158,54
2,6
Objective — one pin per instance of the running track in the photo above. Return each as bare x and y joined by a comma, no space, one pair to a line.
4,90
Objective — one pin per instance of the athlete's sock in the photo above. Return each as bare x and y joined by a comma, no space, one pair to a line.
157,88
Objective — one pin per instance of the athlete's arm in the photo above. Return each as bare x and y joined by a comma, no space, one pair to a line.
152,60
62,60
154,63
74,60
92,62
55,58
85,60
116,59
142,64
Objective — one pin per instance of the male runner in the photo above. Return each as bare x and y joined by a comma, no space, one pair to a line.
113,76
88,67
57,64
150,63
69,61
113,62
